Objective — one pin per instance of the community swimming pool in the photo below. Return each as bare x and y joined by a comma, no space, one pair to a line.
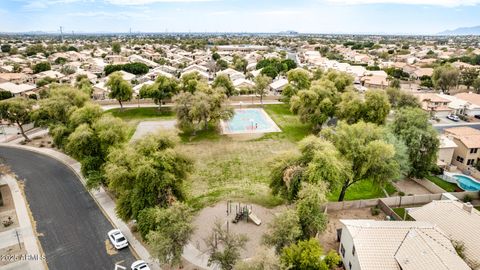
247,121
466,183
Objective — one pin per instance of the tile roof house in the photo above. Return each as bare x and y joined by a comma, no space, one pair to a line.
460,222
467,140
396,245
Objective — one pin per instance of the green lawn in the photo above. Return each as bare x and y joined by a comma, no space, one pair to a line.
292,128
150,113
449,187
363,190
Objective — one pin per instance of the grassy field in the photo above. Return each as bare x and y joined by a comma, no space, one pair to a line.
292,128
363,190
449,187
228,169
147,113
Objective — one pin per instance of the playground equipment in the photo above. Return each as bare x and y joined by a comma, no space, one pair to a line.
243,212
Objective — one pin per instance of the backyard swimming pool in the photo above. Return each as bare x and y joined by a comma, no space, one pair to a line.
466,183
247,121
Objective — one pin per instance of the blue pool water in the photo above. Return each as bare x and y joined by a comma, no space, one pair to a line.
467,183
253,120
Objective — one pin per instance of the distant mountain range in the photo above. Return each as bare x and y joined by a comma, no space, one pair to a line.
462,31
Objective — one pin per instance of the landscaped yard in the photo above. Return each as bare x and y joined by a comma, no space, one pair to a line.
363,190
449,187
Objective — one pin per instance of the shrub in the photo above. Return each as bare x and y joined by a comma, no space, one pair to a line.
375,210
467,198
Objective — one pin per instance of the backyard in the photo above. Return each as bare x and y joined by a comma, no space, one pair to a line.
449,187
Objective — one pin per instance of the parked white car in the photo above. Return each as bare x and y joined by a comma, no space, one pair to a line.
453,117
118,239
140,265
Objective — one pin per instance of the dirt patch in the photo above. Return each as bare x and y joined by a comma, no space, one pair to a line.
329,237
7,199
43,141
207,217
111,250
11,254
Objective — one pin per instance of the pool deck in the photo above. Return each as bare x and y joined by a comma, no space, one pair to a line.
272,124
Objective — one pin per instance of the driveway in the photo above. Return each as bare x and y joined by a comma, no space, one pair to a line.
72,229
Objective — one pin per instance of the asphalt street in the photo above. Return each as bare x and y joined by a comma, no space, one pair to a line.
442,127
72,229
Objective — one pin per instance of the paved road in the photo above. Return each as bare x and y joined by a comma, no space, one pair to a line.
71,226
441,127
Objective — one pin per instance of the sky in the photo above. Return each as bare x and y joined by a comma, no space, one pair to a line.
305,16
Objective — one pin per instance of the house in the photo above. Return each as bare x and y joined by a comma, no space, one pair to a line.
472,103
243,83
232,74
202,74
467,140
445,151
396,245
460,222
435,104
420,72
278,85
374,81
13,77
134,58
195,68
16,89
125,75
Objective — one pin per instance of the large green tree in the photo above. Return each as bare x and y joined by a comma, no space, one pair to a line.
317,104
412,126
305,254
262,83
17,111
224,247
283,230
168,230
146,173
120,89
312,217
162,89
445,77
224,82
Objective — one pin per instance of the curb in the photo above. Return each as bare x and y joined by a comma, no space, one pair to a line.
80,177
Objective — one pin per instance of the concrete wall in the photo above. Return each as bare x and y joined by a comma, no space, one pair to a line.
244,99
446,155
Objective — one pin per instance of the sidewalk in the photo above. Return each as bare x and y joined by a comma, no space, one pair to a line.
25,230
107,205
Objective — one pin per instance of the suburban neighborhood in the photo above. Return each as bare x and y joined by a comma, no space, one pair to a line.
237,150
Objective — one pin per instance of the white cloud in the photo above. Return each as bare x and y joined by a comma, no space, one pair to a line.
446,3
97,14
39,4
145,2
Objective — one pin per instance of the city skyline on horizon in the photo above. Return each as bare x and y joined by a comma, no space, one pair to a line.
234,16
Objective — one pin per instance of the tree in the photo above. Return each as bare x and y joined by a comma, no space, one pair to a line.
366,154
42,66
5,94
395,83
116,48
216,56
318,161
445,77
6,48
17,111
309,209
162,89
412,126
204,108
261,86
303,255
283,230
476,85
269,71
224,81
84,85
240,64
169,230
317,104
342,80
221,64
468,76
401,99
299,78
120,89
264,259
376,107
224,247
146,173
192,82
